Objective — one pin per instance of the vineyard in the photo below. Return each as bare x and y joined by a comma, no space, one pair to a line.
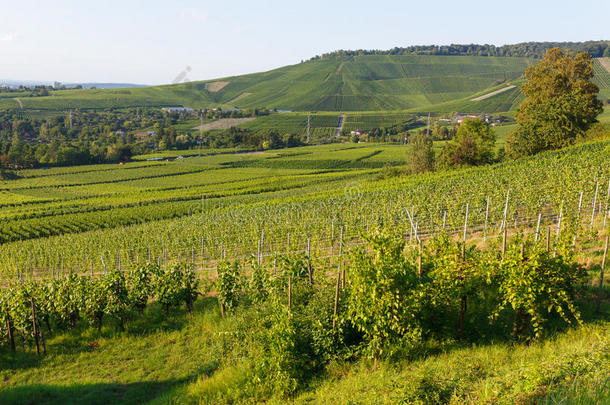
275,266
69,221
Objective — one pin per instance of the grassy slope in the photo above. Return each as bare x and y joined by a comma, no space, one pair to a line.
180,359
365,83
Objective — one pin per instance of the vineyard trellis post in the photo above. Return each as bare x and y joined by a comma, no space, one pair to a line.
601,277
466,222
503,225
486,218
342,270
34,325
289,292
336,306
594,203
538,228
9,330
309,269
503,242
558,229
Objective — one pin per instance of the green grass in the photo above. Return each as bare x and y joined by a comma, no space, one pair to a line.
176,358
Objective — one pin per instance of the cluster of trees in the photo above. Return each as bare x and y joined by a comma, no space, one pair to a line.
596,49
473,145
234,137
560,107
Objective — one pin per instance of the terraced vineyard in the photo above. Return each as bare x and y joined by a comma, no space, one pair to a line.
223,202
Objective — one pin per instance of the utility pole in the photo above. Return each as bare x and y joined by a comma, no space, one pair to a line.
308,126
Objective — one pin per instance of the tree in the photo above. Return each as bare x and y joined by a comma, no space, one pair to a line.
473,145
561,104
420,156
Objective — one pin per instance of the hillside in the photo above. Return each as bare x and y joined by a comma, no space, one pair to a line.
360,83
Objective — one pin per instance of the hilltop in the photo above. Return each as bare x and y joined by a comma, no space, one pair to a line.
419,79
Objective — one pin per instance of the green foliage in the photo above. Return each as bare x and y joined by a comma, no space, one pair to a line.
174,285
117,304
561,104
140,285
420,156
534,283
473,145
228,285
384,302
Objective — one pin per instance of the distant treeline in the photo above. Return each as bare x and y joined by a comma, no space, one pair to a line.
596,49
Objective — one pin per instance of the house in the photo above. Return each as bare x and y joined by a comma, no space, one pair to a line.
142,135
357,132
177,109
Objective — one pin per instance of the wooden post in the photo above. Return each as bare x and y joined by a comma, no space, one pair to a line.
289,292
201,252
548,239
9,329
332,237
594,203
558,229
601,277
309,269
444,219
579,207
466,222
505,210
274,262
503,243
336,297
341,260
262,250
103,263
35,326
486,218
538,228
419,261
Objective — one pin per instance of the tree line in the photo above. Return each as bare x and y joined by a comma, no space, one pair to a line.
596,49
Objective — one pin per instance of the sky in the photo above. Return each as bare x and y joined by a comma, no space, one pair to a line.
157,42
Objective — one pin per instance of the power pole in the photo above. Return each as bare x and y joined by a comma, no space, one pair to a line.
308,126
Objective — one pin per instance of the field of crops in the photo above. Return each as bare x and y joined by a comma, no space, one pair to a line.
209,204
322,125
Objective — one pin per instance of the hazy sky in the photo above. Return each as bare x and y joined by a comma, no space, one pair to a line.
153,41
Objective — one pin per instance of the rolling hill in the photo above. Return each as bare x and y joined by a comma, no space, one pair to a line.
350,83
417,83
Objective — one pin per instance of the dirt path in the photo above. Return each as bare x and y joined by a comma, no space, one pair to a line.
224,123
18,103
340,126
242,95
493,93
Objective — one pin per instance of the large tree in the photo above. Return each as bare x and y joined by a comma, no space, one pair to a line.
561,103
420,156
472,145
